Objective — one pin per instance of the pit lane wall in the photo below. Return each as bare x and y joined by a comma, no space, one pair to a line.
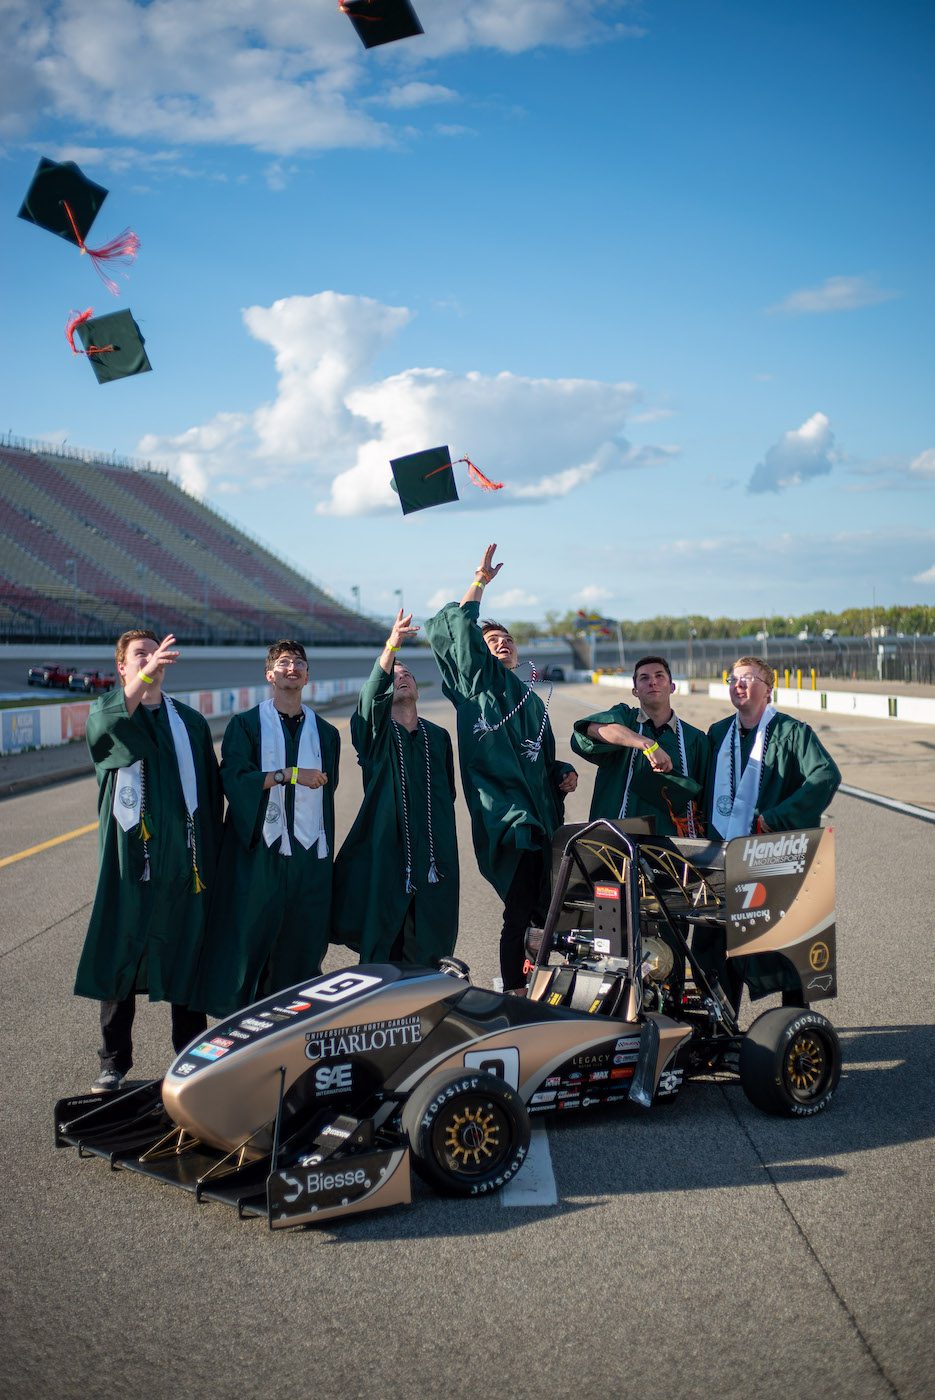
913,708
44,726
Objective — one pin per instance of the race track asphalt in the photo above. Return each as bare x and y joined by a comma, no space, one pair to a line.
698,1249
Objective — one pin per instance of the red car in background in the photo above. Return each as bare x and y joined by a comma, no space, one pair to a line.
50,674
91,682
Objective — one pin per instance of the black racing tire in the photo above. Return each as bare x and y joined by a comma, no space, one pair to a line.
468,1132
790,1062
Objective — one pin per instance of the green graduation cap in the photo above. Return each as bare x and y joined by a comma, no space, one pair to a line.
381,21
57,188
427,478
113,344
424,479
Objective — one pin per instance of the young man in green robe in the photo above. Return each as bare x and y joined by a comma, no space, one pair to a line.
767,772
649,762
270,920
513,784
396,876
159,806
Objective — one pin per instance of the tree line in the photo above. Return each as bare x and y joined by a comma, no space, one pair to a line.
908,619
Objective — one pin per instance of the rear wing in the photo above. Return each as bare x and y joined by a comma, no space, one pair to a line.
780,899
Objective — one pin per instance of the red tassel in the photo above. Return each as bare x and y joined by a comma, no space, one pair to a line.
478,478
123,248
76,319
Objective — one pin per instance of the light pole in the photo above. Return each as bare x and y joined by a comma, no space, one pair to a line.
692,634
355,594
398,594
73,565
140,570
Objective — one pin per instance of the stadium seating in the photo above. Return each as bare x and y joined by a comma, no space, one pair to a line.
88,548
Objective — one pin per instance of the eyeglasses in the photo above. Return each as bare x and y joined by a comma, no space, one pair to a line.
746,680
291,665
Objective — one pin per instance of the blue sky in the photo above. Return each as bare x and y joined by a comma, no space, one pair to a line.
664,269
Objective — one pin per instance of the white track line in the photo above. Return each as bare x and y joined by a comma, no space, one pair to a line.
907,808
534,1183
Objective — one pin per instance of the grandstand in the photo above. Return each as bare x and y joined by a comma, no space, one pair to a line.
91,546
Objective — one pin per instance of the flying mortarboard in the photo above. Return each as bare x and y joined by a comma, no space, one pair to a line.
381,21
113,344
425,479
65,202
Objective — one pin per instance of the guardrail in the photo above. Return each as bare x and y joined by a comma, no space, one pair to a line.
44,726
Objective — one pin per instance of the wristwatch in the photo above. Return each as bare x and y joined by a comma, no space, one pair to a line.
279,776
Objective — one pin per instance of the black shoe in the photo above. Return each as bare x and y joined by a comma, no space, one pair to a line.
107,1081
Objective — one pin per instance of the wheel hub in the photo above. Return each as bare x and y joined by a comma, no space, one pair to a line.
473,1136
805,1063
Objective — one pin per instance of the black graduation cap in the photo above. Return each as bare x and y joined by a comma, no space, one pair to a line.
381,21
113,344
62,200
425,479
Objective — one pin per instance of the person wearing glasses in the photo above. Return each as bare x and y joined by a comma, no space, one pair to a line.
768,772
270,920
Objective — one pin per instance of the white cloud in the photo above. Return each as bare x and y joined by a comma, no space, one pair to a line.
277,78
798,456
927,576
516,598
834,294
593,593
924,465
331,424
419,95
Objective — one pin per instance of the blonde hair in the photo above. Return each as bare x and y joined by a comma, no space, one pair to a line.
763,669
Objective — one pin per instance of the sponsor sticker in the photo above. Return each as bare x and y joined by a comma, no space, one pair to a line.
606,891
783,855
333,1079
628,1042
553,1081
337,1042
184,1069
294,1008
753,894
221,1040
819,956
624,1072
629,1059
544,1096
569,1103
598,1074
207,1051
239,1035
250,1023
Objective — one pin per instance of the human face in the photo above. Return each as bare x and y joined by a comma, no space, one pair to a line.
653,686
135,658
749,693
404,683
503,647
288,672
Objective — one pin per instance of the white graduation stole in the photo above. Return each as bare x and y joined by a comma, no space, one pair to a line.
308,823
739,803
128,785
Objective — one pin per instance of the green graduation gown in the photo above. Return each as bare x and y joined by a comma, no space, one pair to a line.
659,795
798,780
371,904
270,920
798,777
515,804
146,935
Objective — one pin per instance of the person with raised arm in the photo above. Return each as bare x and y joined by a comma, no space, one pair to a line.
159,808
513,784
270,922
396,876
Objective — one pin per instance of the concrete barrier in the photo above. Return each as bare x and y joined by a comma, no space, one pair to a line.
912,708
43,726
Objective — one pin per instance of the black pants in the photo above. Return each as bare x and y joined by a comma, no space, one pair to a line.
116,1050
525,903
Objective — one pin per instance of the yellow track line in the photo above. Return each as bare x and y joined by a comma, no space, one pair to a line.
46,845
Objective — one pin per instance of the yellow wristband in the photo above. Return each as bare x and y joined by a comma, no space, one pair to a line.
478,583
390,647
652,749
150,680
295,776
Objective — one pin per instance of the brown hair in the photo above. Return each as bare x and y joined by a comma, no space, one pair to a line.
488,625
650,661
135,634
284,648
763,669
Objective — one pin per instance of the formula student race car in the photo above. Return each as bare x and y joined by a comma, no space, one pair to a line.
314,1103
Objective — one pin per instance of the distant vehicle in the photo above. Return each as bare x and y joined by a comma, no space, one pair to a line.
50,674
91,681
550,673
828,634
